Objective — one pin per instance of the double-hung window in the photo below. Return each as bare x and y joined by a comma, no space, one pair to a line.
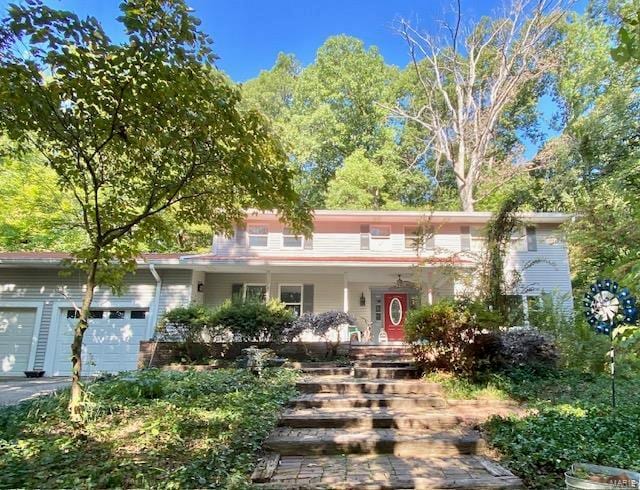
419,238
258,236
290,239
380,237
291,296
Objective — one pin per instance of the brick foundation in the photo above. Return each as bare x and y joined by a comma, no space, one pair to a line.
152,354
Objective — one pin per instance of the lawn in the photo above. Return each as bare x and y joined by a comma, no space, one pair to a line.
573,422
145,429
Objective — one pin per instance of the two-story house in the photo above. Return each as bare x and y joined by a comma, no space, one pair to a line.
375,265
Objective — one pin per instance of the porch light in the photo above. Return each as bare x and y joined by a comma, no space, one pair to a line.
363,300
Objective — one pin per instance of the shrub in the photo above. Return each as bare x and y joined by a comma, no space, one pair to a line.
527,347
254,321
324,325
449,336
190,325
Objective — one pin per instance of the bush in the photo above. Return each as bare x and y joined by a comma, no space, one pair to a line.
254,321
190,325
527,347
453,337
324,325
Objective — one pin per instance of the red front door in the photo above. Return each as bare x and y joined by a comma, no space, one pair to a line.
395,311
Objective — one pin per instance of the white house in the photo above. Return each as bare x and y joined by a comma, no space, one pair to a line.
376,265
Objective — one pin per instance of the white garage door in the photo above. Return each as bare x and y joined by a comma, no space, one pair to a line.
111,342
16,335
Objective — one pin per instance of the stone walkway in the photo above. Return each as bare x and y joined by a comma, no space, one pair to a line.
379,428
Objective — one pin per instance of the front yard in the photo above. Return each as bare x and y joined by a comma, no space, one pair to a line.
573,422
145,429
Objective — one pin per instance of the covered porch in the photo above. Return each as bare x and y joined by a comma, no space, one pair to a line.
378,297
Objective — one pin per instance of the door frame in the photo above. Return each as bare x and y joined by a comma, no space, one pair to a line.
29,305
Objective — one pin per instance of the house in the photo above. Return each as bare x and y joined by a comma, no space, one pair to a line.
376,265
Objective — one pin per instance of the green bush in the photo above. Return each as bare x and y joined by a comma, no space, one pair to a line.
453,337
254,321
190,325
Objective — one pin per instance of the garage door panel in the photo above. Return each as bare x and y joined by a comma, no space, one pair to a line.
16,335
109,345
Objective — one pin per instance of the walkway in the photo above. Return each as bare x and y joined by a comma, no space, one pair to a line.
377,427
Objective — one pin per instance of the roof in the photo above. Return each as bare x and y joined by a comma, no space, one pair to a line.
439,216
57,257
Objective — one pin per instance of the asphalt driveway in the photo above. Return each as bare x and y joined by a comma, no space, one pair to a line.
15,390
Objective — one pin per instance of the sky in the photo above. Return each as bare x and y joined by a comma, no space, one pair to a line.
249,34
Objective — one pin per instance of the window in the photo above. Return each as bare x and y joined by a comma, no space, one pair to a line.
258,235
73,314
518,240
93,314
291,296
364,237
138,314
378,308
255,292
419,237
465,238
290,239
532,239
380,232
116,315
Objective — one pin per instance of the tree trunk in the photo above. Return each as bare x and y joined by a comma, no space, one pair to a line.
465,192
75,402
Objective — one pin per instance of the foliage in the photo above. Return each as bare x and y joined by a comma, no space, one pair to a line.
134,129
254,321
190,325
325,325
145,429
257,359
527,347
448,336
628,48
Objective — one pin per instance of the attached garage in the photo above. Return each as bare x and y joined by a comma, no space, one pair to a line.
18,336
111,342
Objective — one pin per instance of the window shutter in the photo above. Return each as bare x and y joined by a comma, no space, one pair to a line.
308,243
241,235
236,292
364,237
465,238
532,239
307,298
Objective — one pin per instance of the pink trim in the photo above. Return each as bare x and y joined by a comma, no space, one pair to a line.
275,258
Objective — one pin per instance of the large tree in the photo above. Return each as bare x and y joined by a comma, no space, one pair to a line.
474,88
133,130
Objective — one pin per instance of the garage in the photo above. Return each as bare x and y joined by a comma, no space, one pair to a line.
17,327
111,342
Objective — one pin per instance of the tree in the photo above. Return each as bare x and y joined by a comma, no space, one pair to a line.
473,90
133,130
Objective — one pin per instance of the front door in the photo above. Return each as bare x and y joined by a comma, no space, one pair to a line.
395,311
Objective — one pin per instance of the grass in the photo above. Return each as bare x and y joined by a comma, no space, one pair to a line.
572,421
145,429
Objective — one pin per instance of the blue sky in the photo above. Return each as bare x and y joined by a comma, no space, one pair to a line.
248,34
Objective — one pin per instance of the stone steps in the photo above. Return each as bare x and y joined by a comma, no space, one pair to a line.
378,418
326,371
382,363
386,372
396,402
291,441
387,387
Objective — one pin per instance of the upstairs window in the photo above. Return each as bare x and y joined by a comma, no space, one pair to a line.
379,232
258,236
532,239
419,237
465,238
290,239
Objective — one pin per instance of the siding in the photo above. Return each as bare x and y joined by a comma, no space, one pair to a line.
49,286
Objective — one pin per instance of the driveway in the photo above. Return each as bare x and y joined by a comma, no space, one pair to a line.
14,391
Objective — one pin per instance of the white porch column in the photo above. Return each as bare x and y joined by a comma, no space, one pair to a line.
430,295
268,292
345,299
525,310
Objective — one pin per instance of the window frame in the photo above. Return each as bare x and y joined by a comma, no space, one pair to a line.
253,284
429,244
265,235
379,237
531,238
291,235
301,286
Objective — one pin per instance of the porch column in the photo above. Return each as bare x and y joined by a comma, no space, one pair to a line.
268,292
345,298
525,310
430,295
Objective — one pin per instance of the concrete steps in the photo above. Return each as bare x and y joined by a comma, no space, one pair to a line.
291,441
386,372
327,371
354,387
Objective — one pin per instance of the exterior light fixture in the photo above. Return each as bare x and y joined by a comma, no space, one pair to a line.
363,300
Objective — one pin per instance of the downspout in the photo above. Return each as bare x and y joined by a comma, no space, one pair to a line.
155,307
